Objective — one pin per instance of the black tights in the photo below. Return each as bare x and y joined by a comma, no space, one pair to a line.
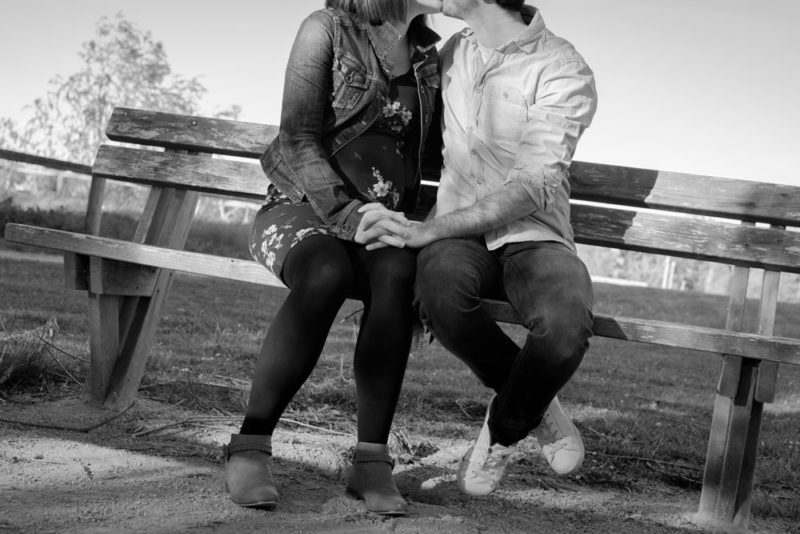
322,271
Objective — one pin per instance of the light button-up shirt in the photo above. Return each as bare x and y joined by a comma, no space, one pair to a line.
514,114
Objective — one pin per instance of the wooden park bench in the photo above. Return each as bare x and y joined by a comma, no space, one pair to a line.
734,222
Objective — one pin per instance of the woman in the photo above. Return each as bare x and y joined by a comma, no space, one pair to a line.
359,94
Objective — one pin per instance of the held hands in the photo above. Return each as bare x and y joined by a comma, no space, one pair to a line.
381,227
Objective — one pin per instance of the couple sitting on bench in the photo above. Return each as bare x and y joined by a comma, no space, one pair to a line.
369,109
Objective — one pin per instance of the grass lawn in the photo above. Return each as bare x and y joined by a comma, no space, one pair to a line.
644,411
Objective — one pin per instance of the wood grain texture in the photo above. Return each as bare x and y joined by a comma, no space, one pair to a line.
688,237
190,133
687,193
239,179
120,250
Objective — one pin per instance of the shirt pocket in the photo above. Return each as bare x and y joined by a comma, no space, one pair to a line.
350,82
502,113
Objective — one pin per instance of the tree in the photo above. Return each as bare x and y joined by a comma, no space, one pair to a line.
122,66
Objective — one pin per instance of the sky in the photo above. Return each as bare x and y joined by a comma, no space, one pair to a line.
698,86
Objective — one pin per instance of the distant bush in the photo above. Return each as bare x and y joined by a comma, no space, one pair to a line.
219,238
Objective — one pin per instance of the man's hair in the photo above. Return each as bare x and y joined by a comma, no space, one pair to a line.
374,11
511,5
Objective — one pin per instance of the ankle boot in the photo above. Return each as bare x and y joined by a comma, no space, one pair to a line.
371,480
248,472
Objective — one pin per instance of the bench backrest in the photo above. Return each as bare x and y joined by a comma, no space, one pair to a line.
697,217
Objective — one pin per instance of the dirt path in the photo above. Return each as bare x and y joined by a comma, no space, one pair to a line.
142,473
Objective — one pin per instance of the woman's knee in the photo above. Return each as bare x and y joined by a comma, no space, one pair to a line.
321,265
393,266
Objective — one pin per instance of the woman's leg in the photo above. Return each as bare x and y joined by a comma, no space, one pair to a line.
386,285
319,272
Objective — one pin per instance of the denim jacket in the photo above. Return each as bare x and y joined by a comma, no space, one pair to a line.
337,72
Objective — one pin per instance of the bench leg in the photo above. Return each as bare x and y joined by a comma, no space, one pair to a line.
730,463
103,344
140,319
123,327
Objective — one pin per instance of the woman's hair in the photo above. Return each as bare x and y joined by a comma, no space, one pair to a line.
374,11
511,5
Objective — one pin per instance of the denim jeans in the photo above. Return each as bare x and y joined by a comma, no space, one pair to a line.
546,284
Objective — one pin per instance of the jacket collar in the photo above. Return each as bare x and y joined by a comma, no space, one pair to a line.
384,37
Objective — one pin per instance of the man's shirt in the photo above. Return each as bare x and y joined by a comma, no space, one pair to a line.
514,114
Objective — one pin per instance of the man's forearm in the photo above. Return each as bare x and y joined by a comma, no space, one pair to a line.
497,209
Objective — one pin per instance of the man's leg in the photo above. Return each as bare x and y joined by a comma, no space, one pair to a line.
452,276
550,288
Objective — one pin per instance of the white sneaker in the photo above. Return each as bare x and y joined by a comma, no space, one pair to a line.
483,465
559,440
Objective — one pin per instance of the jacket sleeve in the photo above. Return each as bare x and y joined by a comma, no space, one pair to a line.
306,98
564,105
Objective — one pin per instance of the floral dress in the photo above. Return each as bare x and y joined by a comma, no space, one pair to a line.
377,166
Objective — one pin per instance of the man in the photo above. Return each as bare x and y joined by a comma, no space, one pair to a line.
516,101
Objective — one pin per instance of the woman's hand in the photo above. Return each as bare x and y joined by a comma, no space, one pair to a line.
380,227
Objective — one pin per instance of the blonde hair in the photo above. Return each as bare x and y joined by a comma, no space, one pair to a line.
373,11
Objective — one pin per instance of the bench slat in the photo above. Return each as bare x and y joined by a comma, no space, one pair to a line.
655,332
629,186
125,251
688,237
659,233
713,340
700,195
240,179
186,132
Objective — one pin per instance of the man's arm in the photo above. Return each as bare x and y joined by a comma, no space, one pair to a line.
565,105
497,209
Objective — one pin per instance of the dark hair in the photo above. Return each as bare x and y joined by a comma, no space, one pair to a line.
511,5
374,11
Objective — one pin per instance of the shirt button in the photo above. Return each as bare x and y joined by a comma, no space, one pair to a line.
470,128
473,152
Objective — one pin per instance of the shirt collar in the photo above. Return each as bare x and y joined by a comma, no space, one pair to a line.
525,40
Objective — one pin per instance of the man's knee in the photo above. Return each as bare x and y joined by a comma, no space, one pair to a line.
563,333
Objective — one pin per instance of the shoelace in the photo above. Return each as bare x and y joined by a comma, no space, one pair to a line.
485,469
556,446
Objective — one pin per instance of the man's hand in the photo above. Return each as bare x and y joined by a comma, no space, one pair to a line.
416,235
380,227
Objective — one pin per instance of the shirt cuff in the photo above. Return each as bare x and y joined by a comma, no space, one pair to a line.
540,187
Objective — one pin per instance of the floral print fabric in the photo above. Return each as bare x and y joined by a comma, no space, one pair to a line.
376,167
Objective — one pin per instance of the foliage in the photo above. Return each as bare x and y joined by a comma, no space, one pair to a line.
122,66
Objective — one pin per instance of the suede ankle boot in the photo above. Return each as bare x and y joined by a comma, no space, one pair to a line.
248,472
371,480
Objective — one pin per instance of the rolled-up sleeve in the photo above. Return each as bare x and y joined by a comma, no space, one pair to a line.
563,106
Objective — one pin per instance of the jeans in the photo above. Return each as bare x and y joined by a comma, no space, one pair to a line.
546,284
